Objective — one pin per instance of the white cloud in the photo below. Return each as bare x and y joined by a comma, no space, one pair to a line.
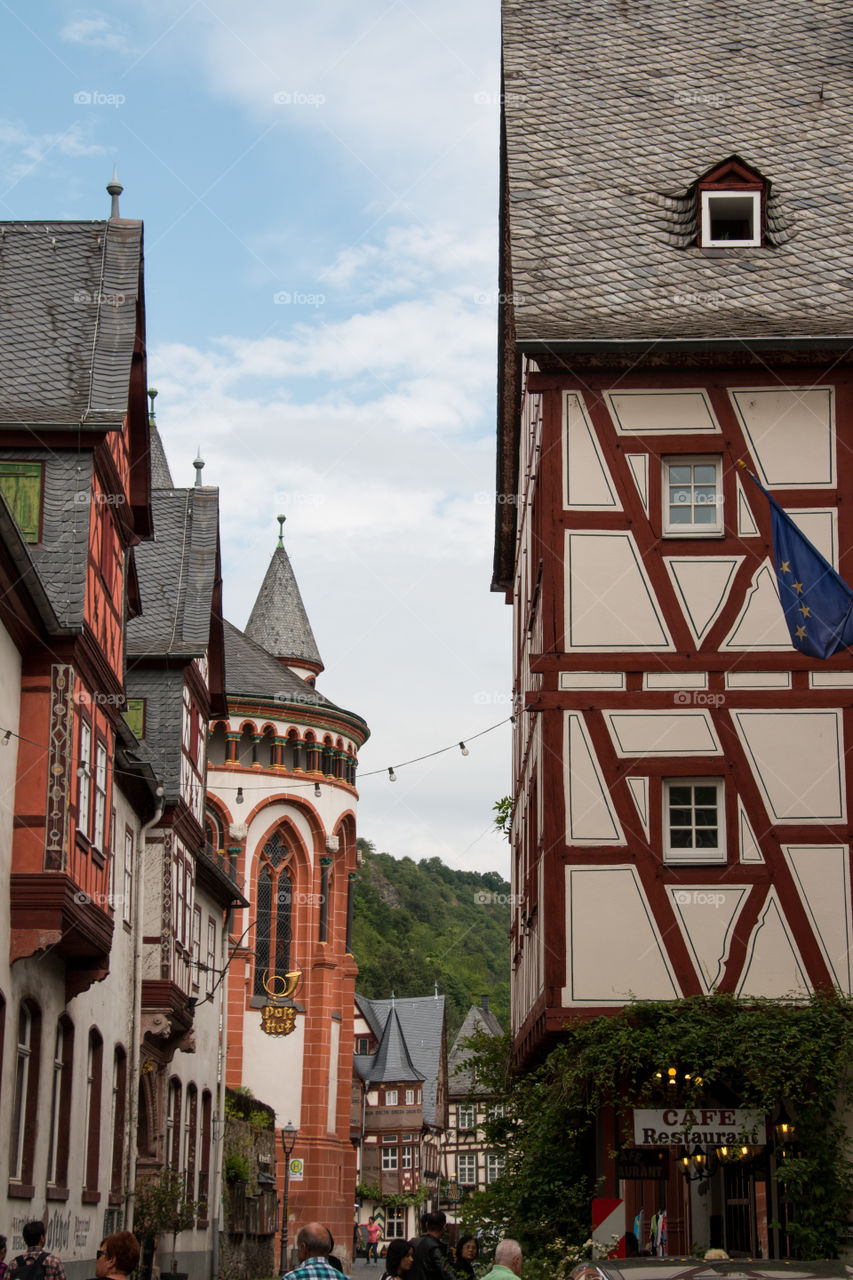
21,150
95,33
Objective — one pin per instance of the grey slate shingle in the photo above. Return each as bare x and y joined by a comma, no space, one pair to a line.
278,621
177,571
68,295
460,1077
615,108
421,1019
391,1061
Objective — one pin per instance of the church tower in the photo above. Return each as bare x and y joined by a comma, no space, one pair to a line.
282,811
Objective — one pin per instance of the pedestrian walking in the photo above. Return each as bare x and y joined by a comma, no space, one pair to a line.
431,1262
313,1246
508,1261
374,1231
36,1263
399,1257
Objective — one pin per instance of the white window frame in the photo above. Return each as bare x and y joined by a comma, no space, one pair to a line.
389,1160
395,1223
55,1104
410,1097
21,1092
464,1164
695,856
692,529
494,1167
127,880
99,832
754,197
211,954
84,783
391,1097
466,1118
407,1157
389,1138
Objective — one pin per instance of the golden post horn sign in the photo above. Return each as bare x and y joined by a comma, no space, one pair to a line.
278,1019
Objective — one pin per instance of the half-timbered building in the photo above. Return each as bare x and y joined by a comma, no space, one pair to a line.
676,264
75,500
468,1164
281,812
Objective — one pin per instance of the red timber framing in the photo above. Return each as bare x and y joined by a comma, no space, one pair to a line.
543,655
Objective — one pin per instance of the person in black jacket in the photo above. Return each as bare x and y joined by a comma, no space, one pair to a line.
431,1262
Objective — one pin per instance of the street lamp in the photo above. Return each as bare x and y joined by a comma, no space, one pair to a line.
288,1140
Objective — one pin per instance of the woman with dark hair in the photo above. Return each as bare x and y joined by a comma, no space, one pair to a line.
466,1255
117,1256
4,1266
399,1257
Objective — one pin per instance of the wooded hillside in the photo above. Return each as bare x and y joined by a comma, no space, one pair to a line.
420,923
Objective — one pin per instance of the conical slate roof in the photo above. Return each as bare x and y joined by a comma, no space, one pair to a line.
460,1064
278,622
391,1061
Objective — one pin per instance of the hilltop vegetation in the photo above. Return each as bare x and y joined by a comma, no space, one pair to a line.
420,923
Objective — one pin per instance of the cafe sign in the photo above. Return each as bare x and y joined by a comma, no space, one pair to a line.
707,1126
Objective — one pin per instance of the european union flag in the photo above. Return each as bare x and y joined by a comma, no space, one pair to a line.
818,603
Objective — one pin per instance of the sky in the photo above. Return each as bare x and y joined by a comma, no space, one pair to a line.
318,184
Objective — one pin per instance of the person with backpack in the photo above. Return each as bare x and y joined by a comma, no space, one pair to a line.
36,1263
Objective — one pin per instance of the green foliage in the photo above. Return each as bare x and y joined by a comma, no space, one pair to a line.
162,1207
391,1200
757,1053
236,1167
418,923
502,809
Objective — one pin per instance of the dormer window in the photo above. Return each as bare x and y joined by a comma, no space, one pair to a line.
731,206
731,218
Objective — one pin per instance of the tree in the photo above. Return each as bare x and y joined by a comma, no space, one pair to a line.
163,1208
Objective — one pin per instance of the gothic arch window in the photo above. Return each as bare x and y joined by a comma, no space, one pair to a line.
266,754
214,831
273,921
246,746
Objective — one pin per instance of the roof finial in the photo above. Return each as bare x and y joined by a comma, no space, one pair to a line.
281,520
435,996
152,396
115,189
198,463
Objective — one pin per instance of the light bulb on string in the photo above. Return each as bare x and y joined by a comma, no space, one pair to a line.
392,777
317,791
463,748
239,796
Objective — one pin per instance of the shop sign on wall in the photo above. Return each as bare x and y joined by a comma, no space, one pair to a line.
279,1019
707,1126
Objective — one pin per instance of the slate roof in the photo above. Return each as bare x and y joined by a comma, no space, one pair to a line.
278,622
177,573
254,673
60,556
68,295
614,109
161,476
421,1020
391,1061
460,1077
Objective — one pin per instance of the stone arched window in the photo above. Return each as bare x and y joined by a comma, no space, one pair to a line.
273,918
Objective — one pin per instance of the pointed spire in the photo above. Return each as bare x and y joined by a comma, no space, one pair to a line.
278,622
161,476
393,1060
198,463
114,189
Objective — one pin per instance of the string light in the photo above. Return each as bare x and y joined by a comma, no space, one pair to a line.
239,795
317,791
6,737
392,777
464,749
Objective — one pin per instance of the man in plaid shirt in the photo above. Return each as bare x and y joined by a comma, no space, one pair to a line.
36,1263
313,1246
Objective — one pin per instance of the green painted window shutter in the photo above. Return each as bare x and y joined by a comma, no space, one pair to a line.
20,483
135,717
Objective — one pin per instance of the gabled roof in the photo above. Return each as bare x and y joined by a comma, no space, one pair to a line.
421,1021
391,1061
178,574
68,321
460,1077
613,109
278,622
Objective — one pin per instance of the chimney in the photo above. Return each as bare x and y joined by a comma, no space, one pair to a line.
484,1003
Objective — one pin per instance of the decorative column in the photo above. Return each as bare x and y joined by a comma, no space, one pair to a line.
256,742
298,766
351,879
325,864
231,740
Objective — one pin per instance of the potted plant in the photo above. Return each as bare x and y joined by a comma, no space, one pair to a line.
163,1207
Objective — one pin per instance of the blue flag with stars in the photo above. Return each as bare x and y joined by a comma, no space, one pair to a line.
818,603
